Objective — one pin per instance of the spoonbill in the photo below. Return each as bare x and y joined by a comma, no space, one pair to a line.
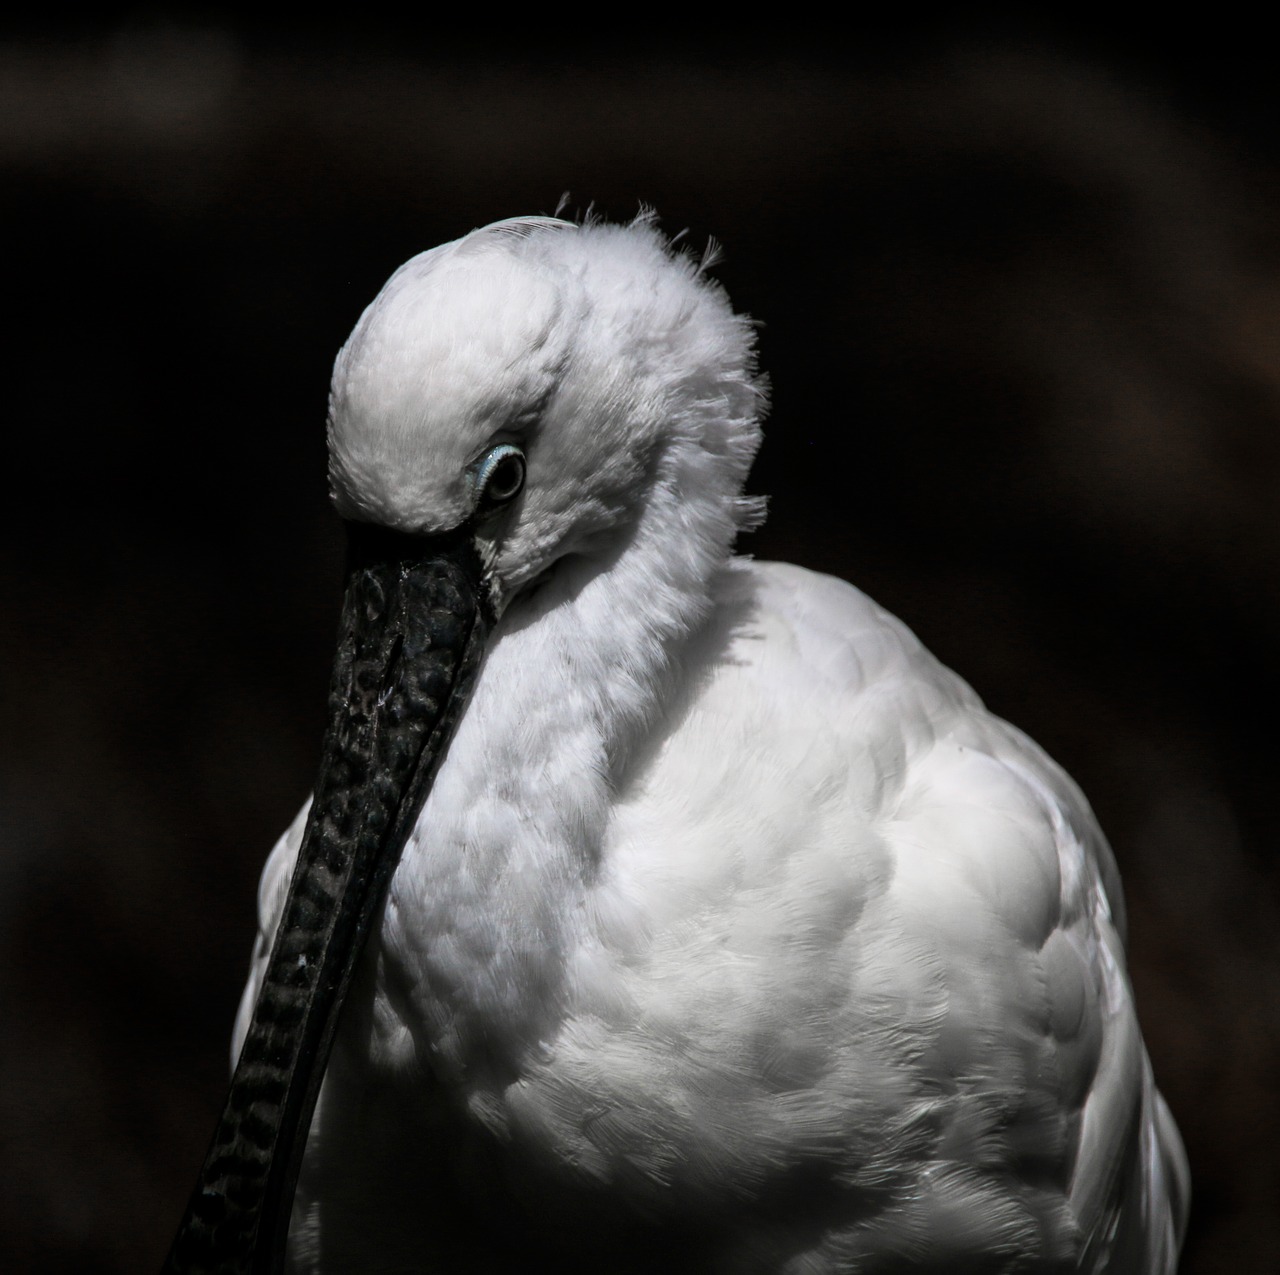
656,909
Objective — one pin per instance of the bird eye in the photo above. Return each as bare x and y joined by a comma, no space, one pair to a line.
500,475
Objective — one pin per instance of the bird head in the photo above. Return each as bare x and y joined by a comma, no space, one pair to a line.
535,381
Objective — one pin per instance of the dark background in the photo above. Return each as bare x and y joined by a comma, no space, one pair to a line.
1021,307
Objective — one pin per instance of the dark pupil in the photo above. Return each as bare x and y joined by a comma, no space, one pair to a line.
504,481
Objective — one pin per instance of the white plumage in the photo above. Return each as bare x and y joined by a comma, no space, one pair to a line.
734,935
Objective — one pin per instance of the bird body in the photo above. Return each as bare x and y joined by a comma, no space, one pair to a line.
733,934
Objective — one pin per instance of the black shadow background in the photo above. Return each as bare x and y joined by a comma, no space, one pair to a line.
1022,319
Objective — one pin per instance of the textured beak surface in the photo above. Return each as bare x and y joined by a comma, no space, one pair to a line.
414,622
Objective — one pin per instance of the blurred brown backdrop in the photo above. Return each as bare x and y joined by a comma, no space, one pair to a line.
1021,300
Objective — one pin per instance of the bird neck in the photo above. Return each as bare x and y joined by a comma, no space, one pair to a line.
485,911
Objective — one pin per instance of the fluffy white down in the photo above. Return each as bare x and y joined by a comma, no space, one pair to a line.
735,934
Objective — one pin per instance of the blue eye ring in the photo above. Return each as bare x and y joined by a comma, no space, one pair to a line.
499,475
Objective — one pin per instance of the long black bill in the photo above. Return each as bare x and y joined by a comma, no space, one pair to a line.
414,622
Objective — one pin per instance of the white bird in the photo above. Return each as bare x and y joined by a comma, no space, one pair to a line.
708,923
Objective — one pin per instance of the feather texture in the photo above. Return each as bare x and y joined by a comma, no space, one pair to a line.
735,934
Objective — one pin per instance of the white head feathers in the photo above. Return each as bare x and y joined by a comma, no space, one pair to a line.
611,359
